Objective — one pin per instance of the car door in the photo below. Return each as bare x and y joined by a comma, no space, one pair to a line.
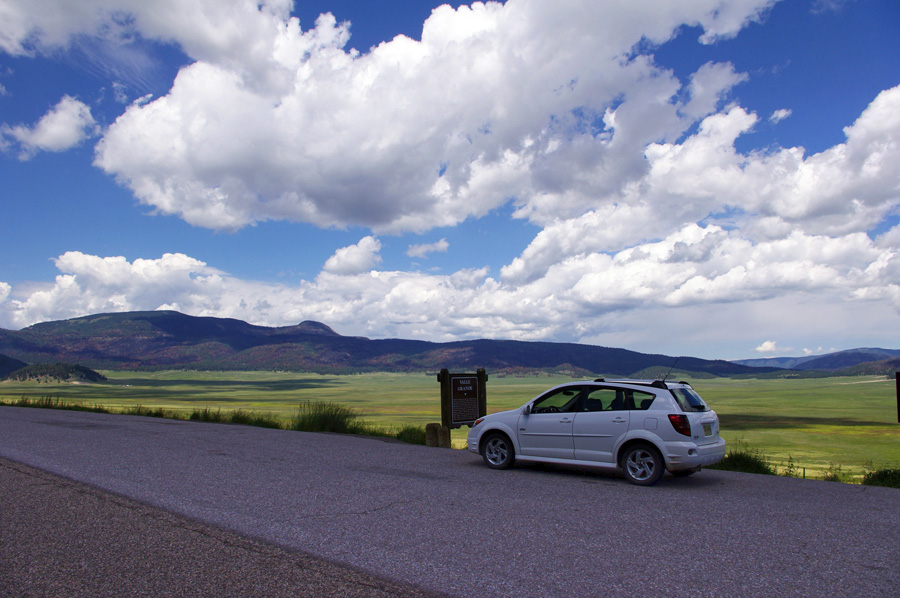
599,424
547,430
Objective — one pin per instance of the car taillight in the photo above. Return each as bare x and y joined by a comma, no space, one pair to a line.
680,423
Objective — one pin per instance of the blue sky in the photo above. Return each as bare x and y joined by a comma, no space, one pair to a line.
718,180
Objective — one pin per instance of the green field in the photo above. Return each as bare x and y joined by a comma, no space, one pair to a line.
817,423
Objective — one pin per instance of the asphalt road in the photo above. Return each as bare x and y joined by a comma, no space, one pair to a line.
442,521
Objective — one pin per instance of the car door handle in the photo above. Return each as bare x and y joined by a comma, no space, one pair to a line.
565,421
619,421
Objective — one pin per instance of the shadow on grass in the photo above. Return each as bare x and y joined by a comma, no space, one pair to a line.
259,385
736,422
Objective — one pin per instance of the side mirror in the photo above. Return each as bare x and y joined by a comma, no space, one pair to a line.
526,410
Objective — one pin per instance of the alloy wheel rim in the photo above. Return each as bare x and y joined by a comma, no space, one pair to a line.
496,451
641,465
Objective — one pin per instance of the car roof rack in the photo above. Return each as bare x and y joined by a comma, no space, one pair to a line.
653,383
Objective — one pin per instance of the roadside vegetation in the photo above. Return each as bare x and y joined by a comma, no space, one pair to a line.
836,429
750,460
309,417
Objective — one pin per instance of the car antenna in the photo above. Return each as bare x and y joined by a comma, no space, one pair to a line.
670,369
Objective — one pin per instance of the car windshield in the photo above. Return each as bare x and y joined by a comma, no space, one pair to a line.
689,400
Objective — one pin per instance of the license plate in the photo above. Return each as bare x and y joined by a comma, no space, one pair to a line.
707,429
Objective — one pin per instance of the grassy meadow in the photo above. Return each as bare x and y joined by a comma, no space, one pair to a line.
816,424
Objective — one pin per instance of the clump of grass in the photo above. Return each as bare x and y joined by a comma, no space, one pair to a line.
148,412
833,473
253,418
327,417
791,471
889,478
411,434
207,415
241,417
745,459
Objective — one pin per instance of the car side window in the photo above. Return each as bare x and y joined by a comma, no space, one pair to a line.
604,399
642,400
561,400
616,399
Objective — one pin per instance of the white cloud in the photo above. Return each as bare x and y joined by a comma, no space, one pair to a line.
423,250
779,115
767,347
90,284
708,87
66,125
205,28
488,107
647,297
355,259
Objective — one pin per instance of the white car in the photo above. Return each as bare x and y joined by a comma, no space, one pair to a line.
640,427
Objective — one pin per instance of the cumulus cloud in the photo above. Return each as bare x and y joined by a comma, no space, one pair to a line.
66,125
424,249
235,30
709,86
486,109
767,347
355,259
91,284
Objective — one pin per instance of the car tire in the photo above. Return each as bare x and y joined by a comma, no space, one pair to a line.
497,451
642,464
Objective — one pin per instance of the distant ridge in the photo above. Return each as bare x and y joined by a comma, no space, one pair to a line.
172,340
9,365
838,360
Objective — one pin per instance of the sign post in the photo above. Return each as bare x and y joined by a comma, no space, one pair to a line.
463,397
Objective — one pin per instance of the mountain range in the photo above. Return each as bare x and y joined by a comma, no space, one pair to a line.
172,340
829,362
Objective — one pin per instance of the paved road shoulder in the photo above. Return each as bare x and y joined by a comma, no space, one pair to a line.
63,538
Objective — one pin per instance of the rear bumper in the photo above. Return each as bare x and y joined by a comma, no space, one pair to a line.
687,455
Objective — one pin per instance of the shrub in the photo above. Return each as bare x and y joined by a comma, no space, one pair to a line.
412,434
327,417
791,470
833,473
744,459
207,415
889,478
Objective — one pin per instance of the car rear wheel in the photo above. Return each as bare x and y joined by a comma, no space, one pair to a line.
642,465
498,451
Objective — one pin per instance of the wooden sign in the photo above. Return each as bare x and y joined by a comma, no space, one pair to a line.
463,397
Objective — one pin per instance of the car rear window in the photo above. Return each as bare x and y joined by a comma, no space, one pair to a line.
689,400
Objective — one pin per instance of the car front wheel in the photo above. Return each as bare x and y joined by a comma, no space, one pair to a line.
642,465
498,452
